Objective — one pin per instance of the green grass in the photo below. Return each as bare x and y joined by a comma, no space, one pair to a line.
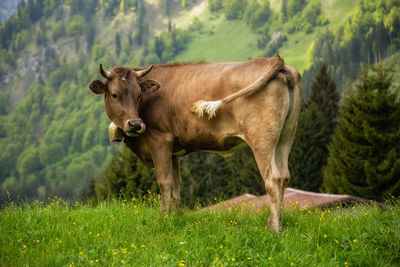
295,51
115,233
221,40
337,11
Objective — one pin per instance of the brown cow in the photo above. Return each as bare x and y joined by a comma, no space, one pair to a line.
160,112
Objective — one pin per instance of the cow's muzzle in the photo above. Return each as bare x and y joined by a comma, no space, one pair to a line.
135,127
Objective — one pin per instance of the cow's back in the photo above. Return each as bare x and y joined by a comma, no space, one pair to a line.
182,85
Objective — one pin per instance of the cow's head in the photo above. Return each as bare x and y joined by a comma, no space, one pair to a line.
122,96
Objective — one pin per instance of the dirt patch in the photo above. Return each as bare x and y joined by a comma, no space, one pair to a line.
293,198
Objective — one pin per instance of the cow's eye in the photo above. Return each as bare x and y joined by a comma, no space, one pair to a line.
114,96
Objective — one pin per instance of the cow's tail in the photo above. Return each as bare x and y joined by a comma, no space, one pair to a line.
202,107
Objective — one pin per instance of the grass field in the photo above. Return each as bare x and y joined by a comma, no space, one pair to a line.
133,233
221,40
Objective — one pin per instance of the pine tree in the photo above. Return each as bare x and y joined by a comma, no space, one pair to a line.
364,154
208,175
141,25
326,96
308,152
117,42
315,127
126,174
284,11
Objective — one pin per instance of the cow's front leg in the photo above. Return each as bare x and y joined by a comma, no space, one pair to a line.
176,188
162,158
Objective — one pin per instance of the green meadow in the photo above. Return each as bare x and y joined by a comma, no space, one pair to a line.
134,233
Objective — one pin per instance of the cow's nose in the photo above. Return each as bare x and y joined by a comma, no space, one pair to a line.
135,125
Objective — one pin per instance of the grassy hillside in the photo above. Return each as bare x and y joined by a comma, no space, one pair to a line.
297,50
133,233
211,44
231,40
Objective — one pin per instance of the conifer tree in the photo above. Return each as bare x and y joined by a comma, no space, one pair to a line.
326,96
126,174
284,11
208,175
364,154
308,152
314,130
117,44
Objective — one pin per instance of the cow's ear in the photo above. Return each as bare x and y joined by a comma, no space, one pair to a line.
149,86
97,87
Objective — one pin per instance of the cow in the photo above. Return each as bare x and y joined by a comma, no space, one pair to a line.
169,110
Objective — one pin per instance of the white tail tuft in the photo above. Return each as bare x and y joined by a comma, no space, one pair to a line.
209,107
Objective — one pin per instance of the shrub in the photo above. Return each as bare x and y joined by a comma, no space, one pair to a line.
76,25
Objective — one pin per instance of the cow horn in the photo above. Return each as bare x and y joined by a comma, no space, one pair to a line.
105,74
142,73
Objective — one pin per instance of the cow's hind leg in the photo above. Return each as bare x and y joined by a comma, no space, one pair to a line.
264,143
271,151
274,181
282,154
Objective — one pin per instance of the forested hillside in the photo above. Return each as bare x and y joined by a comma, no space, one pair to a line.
53,131
7,8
